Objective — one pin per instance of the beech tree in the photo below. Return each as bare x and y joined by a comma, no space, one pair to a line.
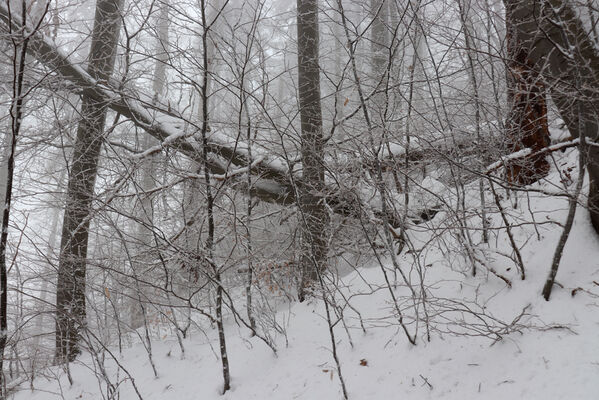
314,215
70,291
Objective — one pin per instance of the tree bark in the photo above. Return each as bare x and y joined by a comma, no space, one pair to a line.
526,123
70,291
561,50
311,193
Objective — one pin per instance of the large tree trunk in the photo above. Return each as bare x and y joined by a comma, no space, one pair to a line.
70,291
526,123
559,47
312,199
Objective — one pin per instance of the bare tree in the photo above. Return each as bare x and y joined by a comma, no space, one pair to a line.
20,42
70,292
311,191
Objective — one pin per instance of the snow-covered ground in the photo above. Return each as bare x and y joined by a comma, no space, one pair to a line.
487,341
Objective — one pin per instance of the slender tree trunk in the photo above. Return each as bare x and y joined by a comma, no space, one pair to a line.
379,47
51,249
378,175
70,291
573,204
20,43
339,68
145,211
469,40
209,245
593,18
244,120
315,219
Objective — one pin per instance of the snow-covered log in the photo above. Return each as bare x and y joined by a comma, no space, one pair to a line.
160,123
275,185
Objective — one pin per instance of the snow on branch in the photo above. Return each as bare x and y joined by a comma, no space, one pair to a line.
529,153
274,184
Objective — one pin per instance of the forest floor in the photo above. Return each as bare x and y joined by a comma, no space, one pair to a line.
488,341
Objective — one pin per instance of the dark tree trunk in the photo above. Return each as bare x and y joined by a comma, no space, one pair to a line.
561,50
70,291
311,192
20,43
526,123
210,196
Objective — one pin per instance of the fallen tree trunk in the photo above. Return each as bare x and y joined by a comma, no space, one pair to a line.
276,184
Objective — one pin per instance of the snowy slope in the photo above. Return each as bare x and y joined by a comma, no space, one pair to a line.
518,346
